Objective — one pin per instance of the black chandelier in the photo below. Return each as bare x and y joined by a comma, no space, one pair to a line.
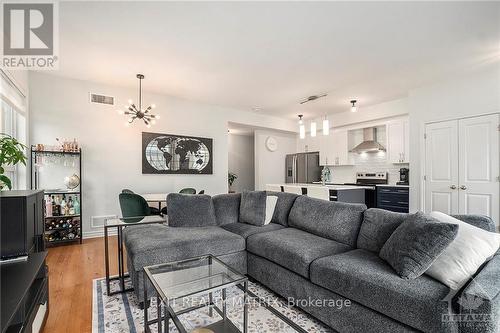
136,112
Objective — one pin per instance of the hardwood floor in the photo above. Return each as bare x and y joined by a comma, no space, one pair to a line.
71,271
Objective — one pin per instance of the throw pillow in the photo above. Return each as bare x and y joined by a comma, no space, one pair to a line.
271,201
416,244
378,225
253,207
190,210
471,248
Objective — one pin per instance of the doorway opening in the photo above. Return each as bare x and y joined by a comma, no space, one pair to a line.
241,158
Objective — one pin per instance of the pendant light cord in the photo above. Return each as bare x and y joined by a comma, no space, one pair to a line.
140,95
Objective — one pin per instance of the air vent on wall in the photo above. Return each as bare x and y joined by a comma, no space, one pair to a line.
102,99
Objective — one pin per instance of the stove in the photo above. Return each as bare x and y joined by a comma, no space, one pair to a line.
370,180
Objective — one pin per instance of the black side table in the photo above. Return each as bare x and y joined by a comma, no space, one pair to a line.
119,224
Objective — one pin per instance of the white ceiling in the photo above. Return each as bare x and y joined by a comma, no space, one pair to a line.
271,55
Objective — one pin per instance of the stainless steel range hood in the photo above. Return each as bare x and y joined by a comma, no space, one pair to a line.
370,143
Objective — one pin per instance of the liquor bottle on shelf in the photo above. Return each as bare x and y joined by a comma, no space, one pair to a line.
71,207
64,207
55,210
48,206
76,206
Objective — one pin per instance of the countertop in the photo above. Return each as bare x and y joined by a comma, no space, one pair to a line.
393,185
330,186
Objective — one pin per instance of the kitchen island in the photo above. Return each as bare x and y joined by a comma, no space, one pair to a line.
341,193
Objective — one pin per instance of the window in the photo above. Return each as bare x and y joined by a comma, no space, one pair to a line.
13,123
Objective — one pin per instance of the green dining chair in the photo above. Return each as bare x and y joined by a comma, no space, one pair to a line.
188,190
132,205
153,210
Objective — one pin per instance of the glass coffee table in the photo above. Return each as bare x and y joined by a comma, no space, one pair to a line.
202,276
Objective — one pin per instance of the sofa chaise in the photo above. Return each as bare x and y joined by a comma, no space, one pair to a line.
315,250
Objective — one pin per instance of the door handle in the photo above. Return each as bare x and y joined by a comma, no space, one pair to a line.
463,187
453,187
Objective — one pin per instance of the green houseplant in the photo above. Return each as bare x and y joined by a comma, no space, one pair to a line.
231,177
11,153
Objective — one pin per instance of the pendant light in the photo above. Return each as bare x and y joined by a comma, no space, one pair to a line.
302,128
136,112
313,129
326,126
353,106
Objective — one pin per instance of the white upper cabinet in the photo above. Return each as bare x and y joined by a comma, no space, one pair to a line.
333,149
398,141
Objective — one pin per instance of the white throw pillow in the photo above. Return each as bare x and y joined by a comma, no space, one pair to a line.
271,201
462,258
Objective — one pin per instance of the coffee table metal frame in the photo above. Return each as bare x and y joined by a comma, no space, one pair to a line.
119,224
165,311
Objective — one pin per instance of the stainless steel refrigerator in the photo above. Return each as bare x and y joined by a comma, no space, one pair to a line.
303,168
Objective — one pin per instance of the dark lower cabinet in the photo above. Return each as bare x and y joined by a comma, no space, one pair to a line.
25,294
393,198
350,196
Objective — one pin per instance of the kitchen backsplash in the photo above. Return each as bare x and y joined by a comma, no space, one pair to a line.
367,162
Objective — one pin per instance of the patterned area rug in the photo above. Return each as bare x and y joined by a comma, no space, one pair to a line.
121,313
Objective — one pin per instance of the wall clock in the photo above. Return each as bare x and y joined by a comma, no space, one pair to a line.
271,143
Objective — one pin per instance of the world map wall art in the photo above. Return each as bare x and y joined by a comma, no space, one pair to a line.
176,154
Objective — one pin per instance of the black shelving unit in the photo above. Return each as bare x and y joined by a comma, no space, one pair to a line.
76,229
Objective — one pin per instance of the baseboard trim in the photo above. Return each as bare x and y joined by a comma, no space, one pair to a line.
98,233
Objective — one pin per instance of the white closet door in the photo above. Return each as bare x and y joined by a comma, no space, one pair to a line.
479,166
441,186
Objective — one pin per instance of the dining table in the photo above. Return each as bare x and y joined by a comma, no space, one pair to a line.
159,198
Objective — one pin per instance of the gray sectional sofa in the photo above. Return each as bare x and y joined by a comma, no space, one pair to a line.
319,250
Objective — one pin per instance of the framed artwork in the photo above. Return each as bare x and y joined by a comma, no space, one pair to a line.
176,154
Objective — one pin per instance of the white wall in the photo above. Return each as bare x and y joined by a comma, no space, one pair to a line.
241,161
270,165
469,95
112,152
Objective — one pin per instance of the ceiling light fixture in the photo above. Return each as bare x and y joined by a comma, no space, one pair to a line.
353,106
136,111
326,126
302,128
313,129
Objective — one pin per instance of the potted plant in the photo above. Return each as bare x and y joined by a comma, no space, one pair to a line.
11,153
231,177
